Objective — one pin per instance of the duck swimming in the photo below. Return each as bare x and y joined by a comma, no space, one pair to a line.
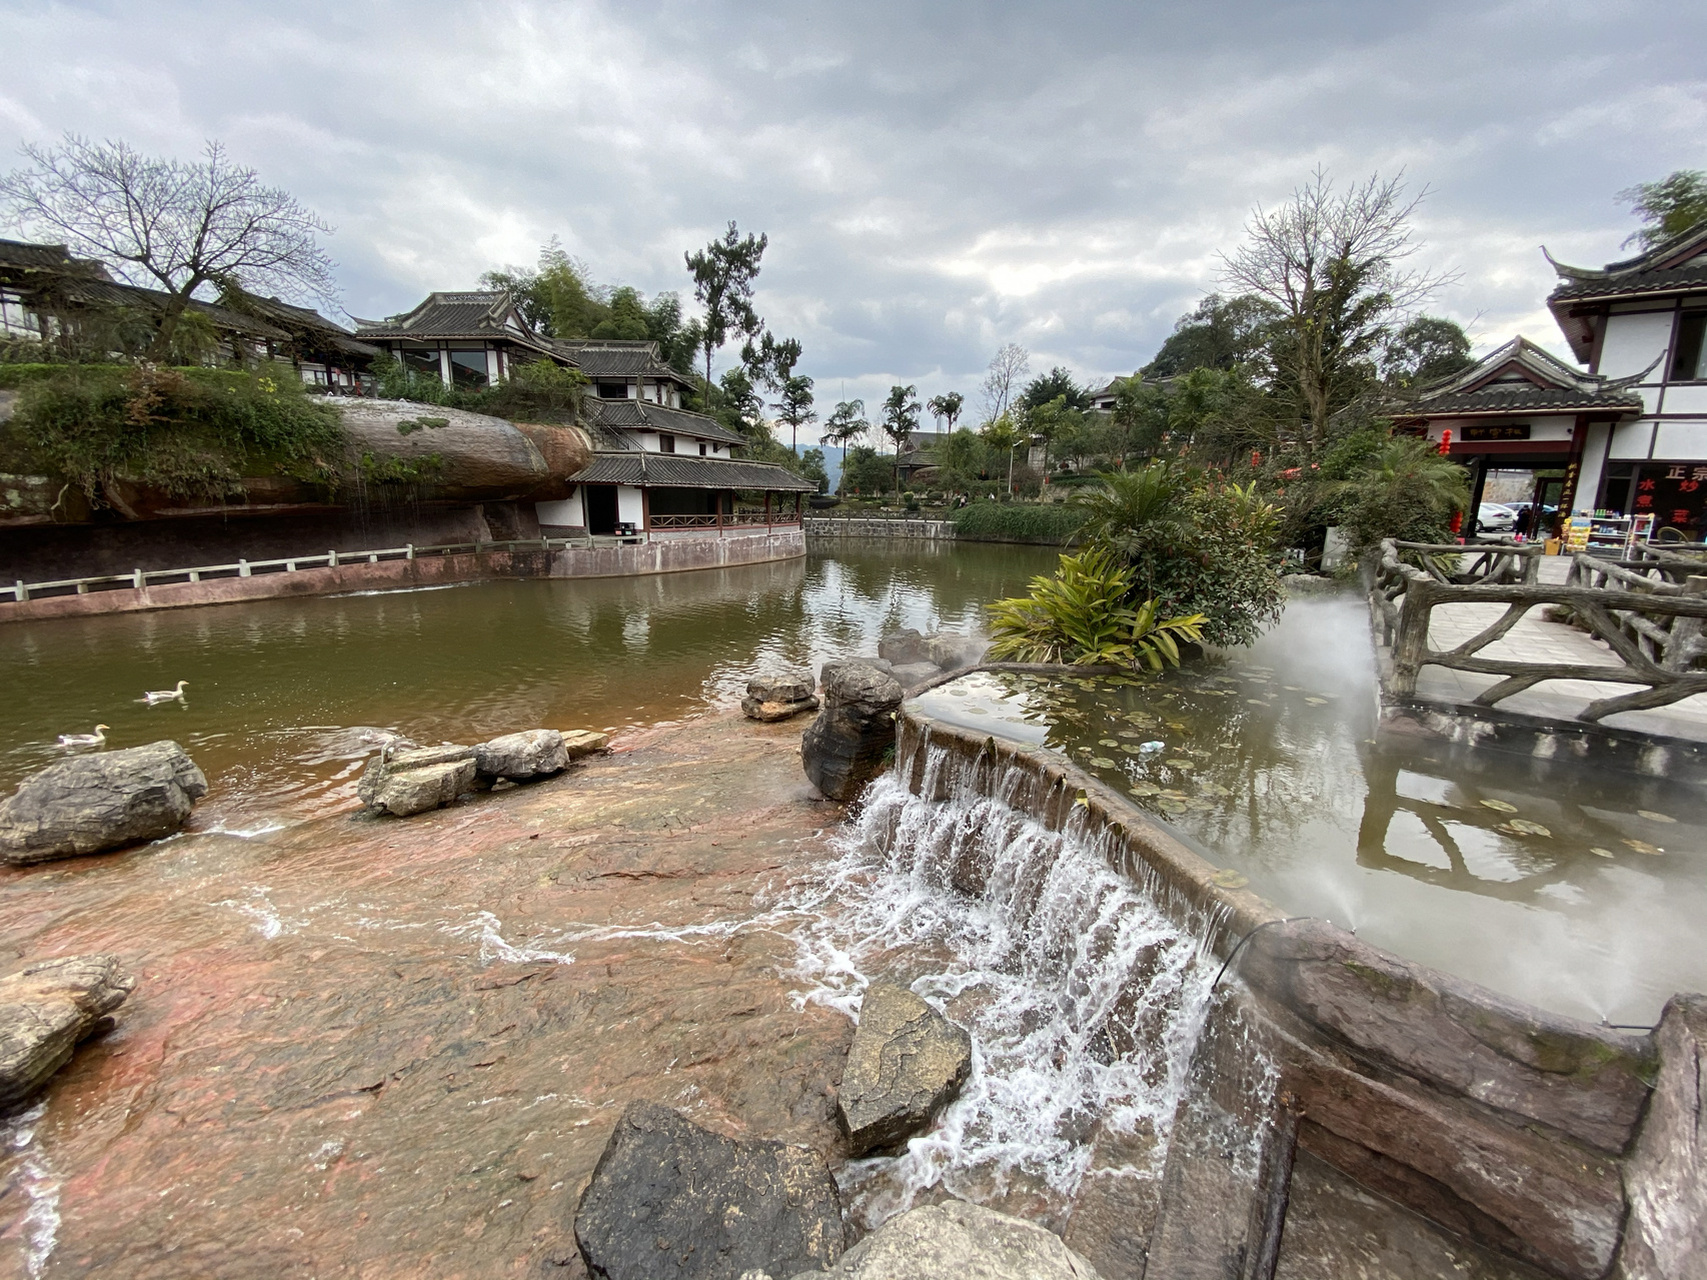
165,695
94,739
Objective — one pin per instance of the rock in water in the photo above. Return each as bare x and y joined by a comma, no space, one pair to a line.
46,1010
1666,1177
958,1241
910,674
904,647
772,698
534,753
101,801
584,742
672,1201
907,1062
845,746
415,781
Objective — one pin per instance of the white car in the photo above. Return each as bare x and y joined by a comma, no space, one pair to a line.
1491,517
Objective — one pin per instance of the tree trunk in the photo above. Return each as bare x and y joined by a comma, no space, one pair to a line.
160,350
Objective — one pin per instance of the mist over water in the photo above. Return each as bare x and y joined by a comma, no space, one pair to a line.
1578,889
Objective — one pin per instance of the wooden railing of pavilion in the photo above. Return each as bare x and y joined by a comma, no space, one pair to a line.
1651,622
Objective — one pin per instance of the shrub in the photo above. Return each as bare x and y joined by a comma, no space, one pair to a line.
1017,522
1081,616
192,432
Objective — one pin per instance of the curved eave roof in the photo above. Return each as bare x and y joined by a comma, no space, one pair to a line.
1510,399
676,471
644,415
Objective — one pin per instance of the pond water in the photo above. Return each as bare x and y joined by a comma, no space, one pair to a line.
1577,889
287,698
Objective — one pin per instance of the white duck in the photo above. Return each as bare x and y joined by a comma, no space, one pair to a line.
94,739
165,695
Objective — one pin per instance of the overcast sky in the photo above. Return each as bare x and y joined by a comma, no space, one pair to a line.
936,180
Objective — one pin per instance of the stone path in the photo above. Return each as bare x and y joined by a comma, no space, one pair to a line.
1535,639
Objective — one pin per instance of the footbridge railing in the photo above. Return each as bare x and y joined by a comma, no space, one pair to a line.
1650,614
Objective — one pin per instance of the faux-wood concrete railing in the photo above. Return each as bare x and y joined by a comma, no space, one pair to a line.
1653,627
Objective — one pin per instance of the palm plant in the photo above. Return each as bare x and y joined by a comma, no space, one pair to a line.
1407,490
1079,615
1127,504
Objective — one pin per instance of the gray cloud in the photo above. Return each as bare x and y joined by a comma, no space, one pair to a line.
936,180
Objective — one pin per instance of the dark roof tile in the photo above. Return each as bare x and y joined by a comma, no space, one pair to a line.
678,471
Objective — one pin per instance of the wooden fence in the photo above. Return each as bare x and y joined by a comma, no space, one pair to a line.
1650,612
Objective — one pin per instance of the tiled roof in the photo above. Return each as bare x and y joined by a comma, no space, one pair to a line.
615,358
1509,397
486,315
680,471
1550,385
643,415
289,315
1678,264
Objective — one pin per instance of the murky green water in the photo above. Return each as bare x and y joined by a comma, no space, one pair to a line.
1580,890
287,698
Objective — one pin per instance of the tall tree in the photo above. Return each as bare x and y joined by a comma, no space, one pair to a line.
1058,383
1427,348
171,224
946,408
1335,268
1217,334
846,422
901,415
1002,382
723,274
1668,207
794,407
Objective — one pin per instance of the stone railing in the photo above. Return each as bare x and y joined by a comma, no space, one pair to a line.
1653,627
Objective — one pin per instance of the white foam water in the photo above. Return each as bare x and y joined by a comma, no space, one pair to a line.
1082,997
35,1178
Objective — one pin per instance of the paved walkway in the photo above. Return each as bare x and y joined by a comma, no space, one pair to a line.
1535,639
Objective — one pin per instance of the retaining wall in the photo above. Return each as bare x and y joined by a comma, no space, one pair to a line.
1499,1121
676,555
857,527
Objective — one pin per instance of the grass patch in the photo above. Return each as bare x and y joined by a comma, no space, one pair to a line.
1050,525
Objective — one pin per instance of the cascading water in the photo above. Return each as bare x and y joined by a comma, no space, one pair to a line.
1083,998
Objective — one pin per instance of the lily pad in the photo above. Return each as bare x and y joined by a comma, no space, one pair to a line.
1175,807
1144,789
1178,797
1175,724
1317,702
1227,878
1642,846
1102,762
1651,816
1107,742
1598,852
1525,827
1255,702
1186,765
1499,806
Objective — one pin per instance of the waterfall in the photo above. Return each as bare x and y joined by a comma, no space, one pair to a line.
1083,996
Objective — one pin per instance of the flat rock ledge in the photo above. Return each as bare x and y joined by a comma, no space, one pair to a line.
773,698
845,746
93,803
669,1200
414,781
47,1010
956,1241
907,1062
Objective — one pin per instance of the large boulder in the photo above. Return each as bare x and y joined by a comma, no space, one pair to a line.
460,455
102,801
907,1062
844,747
49,1008
957,1241
533,753
415,781
1666,1176
669,1200
943,649
772,698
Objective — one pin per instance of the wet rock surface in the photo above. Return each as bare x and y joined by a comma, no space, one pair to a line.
1666,1179
669,1198
958,1241
46,1010
533,753
386,1050
845,746
410,782
773,698
93,803
907,1062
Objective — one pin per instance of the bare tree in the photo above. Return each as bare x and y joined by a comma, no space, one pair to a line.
1335,266
1007,372
167,223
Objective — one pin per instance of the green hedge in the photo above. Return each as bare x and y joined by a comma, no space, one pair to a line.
1051,524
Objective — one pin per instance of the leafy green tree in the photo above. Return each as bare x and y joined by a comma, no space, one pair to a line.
1668,207
627,318
1057,384
1052,420
1403,489
1426,349
901,415
1220,333
946,408
723,275
962,461
678,342
1139,420
812,467
740,407
1334,268
865,471
1004,437
794,408
846,422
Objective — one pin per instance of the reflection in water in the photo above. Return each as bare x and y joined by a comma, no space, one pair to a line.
287,698
1577,889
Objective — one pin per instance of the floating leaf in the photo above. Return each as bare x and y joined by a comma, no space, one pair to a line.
1317,702
1507,829
1499,806
1216,789
1102,762
1107,742
1525,827
1144,789
1651,816
1178,797
1175,724
1227,878
1598,852
1128,733
1256,702
1291,688
1186,765
1642,846
1175,807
